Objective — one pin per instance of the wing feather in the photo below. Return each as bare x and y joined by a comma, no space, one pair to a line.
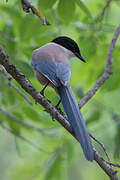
57,73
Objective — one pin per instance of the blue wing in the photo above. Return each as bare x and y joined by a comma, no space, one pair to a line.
57,73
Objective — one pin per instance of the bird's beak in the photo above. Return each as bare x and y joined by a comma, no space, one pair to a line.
80,57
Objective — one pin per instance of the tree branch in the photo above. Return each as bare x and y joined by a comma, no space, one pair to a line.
14,119
28,87
26,4
106,168
4,72
102,14
113,164
22,138
24,124
106,74
101,144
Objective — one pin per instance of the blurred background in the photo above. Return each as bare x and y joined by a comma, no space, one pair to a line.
60,156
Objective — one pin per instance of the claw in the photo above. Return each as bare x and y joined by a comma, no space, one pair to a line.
42,91
57,105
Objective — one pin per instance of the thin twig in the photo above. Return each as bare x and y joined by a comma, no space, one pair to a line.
4,72
27,5
17,146
43,131
102,14
113,164
106,73
104,9
107,169
14,119
102,145
22,138
26,125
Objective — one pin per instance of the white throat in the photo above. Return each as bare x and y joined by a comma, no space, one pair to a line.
68,53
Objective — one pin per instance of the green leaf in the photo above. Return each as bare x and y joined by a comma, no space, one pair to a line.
79,90
2,82
10,11
11,95
29,26
95,116
46,4
3,117
31,113
69,151
18,115
14,126
8,36
85,41
83,7
54,166
112,83
116,119
117,142
26,68
66,10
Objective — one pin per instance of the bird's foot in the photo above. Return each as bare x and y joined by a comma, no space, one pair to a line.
42,92
59,110
57,105
48,100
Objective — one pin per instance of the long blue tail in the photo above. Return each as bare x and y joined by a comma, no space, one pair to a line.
76,120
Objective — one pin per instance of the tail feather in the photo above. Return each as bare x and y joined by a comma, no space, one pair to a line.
76,120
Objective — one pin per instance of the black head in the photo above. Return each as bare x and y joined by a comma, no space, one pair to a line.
69,44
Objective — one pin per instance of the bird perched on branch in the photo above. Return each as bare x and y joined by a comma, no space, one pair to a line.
52,67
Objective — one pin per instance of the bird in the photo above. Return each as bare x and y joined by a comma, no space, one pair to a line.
51,64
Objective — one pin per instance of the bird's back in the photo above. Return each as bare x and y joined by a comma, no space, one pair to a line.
52,52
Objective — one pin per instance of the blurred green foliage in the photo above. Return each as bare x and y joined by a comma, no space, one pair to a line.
20,34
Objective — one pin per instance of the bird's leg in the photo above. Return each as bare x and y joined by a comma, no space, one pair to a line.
58,108
57,105
42,91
